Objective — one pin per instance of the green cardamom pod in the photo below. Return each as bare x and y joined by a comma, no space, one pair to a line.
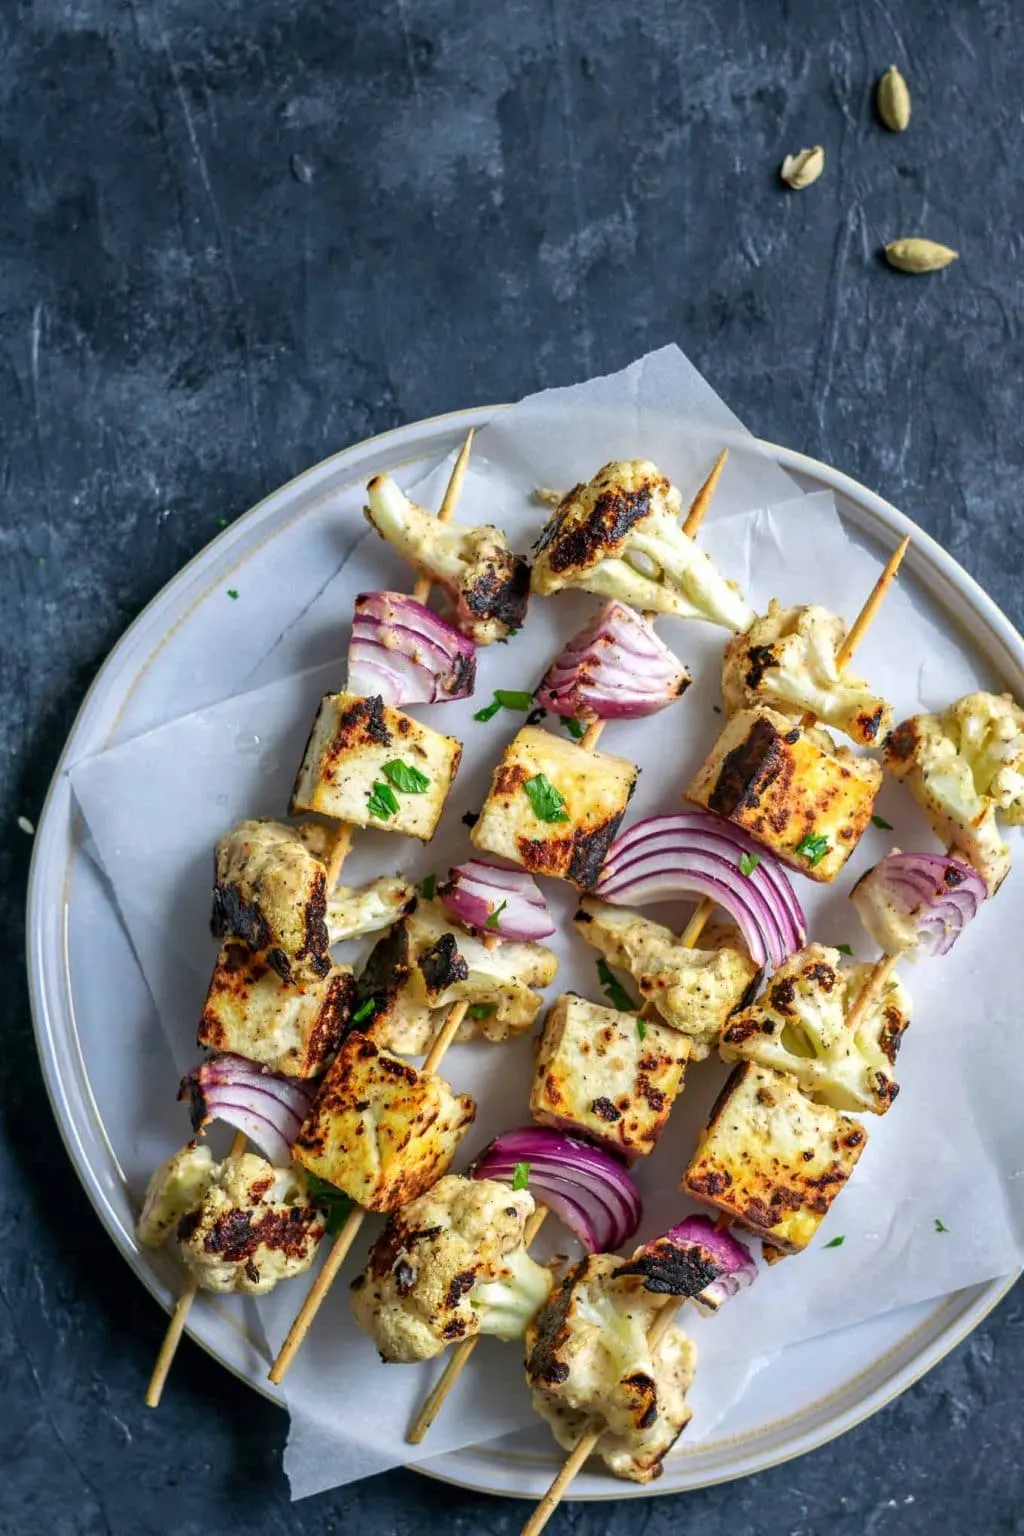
916,255
893,100
798,171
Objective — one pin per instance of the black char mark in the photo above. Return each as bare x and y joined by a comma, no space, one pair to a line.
672,1269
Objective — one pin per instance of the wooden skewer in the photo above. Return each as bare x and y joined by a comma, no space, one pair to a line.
702,500
446,511
865,618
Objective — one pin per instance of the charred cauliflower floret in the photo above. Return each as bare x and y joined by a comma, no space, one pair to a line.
449,1265
799,1025
241,1225
588,1360
270,891
926,755
791,788
355,910
770,1159
787,659
693,990
428,962
486,584
373,766
293,1027
988,729
619,536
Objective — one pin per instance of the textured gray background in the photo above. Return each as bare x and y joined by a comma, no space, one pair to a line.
235,237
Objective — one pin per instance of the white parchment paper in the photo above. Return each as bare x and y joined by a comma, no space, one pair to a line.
951,1150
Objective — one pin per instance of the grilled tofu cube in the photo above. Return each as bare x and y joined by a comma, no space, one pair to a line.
270,891
771,1159
292,1027
790,787
554,808
799,1026
693,990
380,1130
352,767
606,1074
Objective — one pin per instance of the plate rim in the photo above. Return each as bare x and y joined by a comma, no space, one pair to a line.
880,518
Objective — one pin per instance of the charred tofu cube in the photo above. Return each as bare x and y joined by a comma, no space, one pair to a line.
270,891
373,766
607,1074
554,808
790,787
380,1130
292,1027
771,1159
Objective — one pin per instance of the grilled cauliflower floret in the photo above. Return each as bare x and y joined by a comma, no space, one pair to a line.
619,536
771,1159
449,1265
693,990
941,780
255,1225
373,766
270,891
988,729
381,1131
354,910
427,962
554,808
587,1359
791,788
607,1074
486,584
787,659
176,1188
293,1027
799,1025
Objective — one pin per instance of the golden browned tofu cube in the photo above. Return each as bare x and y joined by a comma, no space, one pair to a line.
771,1159
380,1130
610,1075
373,766
554,808
270,891
291,1027
790,787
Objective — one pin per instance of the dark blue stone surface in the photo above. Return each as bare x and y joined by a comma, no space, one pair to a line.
236,237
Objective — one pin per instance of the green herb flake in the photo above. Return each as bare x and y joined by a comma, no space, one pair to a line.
837,1242
521,1176
428,887
482,1010
844,949
222,522
406,778
233,594
749,862
382,801
880,821
332,1200
366,1010
513,698
492,921
548,804
813,847
488,712
613,989
940,1226
577,730
641,1028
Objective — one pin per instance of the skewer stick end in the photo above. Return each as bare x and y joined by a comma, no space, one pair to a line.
702,501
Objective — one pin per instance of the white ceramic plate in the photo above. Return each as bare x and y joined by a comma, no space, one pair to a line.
184,651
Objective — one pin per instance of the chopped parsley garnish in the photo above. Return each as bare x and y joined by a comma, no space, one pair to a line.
880,821
940,1226
641,1028
548,804
844,949
613,989
749,862
837,1242
505,698
222,522
366,1010
577,730
406,778
521,1176
428,887
382,801
481,1010
813,847
233,593
332,1200
492,921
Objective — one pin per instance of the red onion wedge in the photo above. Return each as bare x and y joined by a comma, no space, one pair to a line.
918,901
268,1107
490,899
616,668
406,654
696,1259
664,857
587,1188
